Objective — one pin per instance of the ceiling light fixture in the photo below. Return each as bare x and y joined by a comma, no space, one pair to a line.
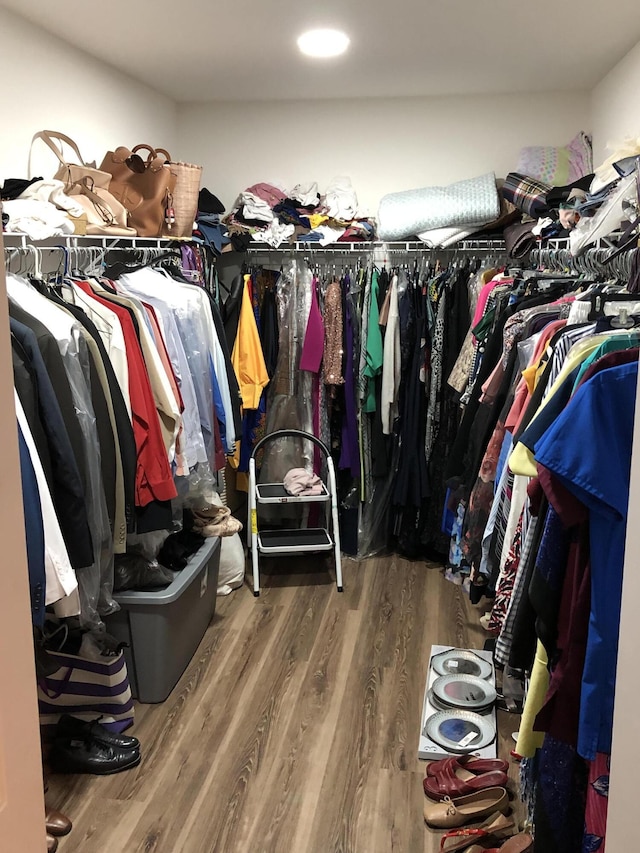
323,43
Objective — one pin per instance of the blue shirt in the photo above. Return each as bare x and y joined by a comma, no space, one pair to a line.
588,448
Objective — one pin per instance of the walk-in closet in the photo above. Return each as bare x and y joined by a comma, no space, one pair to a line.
319,344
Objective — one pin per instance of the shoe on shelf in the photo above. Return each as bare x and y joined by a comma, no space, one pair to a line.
453,813
466,767
72,727
52,843
58,824
494,828
84,755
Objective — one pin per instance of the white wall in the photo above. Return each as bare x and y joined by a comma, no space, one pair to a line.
384,145
46,84
615,105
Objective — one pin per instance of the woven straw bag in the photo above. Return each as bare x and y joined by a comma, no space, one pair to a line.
185,199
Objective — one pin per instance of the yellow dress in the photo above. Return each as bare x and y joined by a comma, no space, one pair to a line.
248,361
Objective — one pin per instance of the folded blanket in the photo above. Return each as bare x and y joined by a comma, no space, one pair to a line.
444,237
519,239
527,194
463,204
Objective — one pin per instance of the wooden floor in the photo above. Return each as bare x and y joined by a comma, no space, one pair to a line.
294,729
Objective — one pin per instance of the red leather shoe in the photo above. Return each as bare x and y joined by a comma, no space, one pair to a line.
493,829
447,784
522,843
468,765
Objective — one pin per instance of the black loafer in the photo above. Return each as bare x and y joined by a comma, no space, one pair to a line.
87,756
72,727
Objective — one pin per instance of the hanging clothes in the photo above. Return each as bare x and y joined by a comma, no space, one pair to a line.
110,421
391,362
247,358
374,350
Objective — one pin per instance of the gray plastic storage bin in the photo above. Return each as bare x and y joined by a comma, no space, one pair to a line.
164,628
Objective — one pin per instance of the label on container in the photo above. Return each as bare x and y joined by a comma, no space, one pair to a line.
467,739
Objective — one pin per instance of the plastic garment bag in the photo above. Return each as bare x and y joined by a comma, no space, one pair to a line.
95,583
373,527
526,349
187,334
290,400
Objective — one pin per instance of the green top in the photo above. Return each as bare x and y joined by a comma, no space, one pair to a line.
374,346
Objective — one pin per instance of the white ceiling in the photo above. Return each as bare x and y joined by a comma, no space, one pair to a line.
246,49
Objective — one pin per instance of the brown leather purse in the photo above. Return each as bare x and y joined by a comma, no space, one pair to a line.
144,187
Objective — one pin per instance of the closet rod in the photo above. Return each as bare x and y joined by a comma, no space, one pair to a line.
395,246
75,241
601,243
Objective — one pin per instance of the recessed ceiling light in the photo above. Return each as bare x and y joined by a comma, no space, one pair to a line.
323,43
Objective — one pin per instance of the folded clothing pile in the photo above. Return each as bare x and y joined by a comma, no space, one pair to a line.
557,193
587,208
265,213
211,229
215,521
38,208
50,208
298,482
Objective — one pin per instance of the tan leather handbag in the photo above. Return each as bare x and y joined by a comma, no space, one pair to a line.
105,215
70,173
145,188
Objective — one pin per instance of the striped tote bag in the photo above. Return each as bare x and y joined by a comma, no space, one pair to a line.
87,689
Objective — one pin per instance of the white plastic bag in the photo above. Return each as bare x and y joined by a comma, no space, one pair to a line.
231,558
231,564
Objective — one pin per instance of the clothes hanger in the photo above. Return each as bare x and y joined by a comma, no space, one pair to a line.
119,268
598,301
623,320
